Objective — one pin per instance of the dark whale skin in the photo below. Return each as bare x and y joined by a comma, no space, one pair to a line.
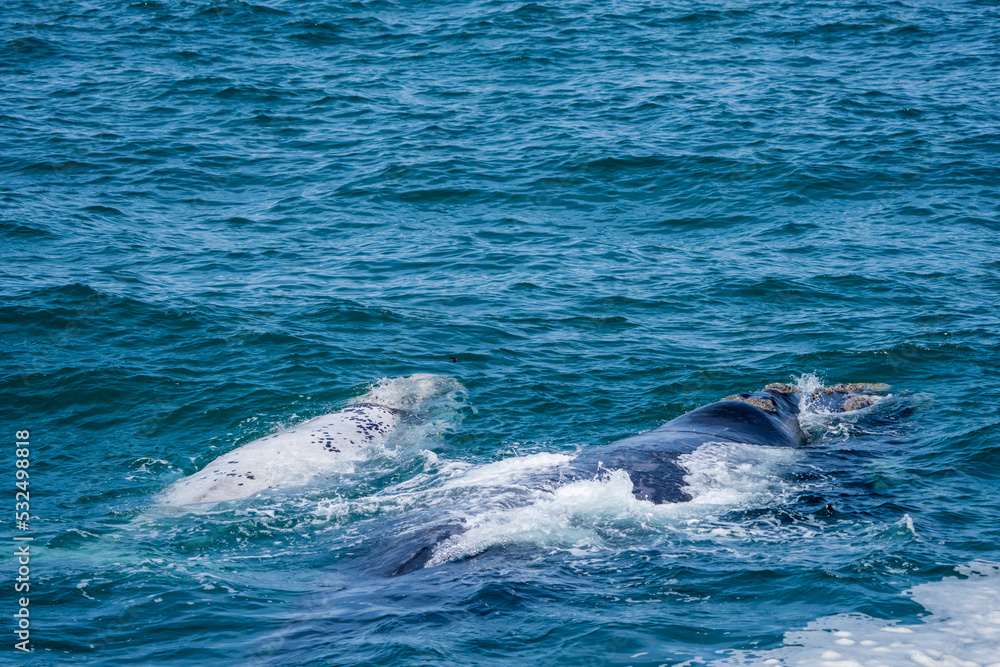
650,458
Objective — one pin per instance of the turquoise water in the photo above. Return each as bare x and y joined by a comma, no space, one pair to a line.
221,219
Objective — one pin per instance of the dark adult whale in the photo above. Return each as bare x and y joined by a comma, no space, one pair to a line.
769,417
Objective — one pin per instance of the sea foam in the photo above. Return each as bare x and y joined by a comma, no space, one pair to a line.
961,629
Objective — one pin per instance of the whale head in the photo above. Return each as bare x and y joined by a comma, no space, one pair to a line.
413,393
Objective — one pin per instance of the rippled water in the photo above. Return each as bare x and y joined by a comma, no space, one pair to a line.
220,219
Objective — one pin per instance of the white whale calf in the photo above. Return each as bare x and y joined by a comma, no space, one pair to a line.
296,455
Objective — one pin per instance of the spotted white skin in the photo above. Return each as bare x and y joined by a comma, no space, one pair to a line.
324,444
288,457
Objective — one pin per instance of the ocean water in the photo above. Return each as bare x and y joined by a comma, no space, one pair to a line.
220,219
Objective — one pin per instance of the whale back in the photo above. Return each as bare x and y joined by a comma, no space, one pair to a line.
288,457
761,418
325,444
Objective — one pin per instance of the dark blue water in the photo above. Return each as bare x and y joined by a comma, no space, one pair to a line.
220,219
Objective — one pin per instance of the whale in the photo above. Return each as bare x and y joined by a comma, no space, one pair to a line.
294,456
769,417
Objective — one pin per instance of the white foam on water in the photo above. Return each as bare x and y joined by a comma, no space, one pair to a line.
451,485
577,515
735,474
507,471
961,629
556,517
818,421
807,383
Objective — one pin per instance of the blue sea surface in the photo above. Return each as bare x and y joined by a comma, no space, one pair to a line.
219,219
